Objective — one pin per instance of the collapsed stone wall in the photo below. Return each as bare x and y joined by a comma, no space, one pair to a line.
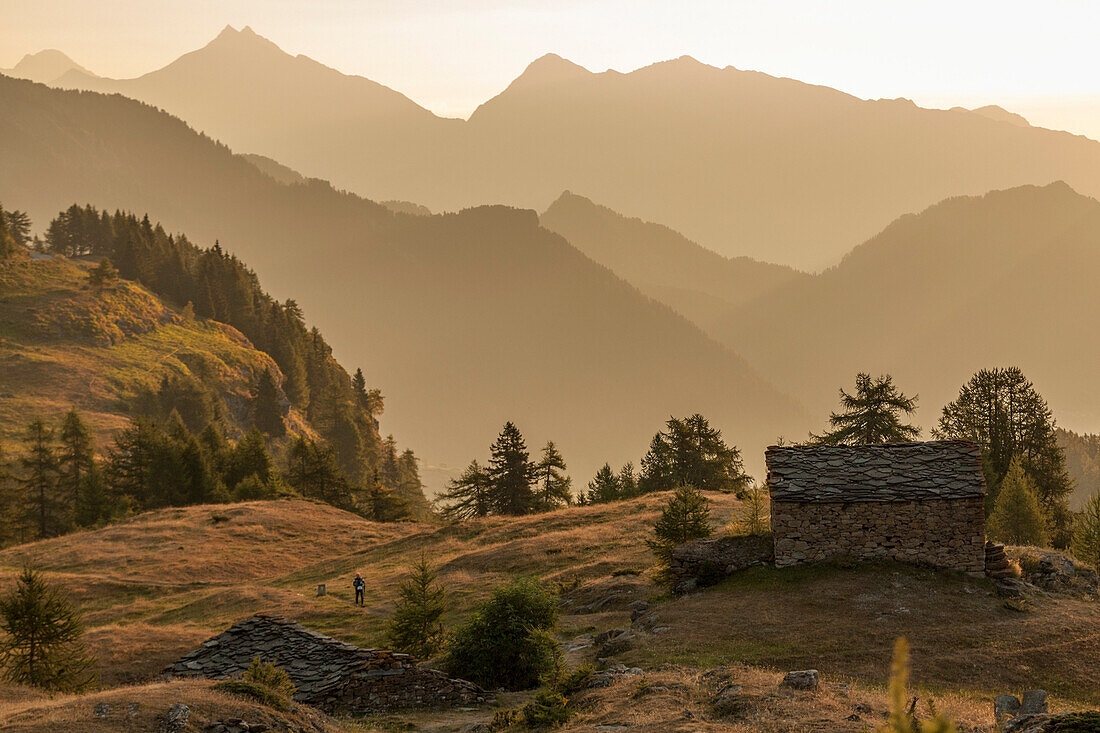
946,533
331,675
704,562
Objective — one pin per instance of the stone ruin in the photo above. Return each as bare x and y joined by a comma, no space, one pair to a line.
704,562
331,675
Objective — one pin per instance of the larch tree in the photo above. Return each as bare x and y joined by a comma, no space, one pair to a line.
416,626
76,457
469,495
44,510
872,415
267,410
603,487
1086,532
511,473
685,517
41,646
689,452
553,486
1017,518
1001,411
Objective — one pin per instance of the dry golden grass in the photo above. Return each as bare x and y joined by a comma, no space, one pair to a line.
146,601
142,707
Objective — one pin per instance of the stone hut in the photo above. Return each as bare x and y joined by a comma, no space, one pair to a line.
331,675
913,502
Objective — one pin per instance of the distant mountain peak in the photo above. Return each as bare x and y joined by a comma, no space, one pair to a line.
243,39
46,65
549,69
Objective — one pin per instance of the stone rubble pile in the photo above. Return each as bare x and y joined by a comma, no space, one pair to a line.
331,675
997,564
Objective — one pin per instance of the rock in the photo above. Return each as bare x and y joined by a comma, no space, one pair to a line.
175,719
619,644
101,710
806,679
605,636
638,609
1033,702
1005,708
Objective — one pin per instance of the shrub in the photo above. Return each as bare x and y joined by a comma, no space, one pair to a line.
506,642
549,708
263,682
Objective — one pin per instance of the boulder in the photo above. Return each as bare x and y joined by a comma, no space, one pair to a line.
806,679
1005,708
1034,702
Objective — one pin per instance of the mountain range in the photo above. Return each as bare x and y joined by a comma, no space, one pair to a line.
743,163
465,320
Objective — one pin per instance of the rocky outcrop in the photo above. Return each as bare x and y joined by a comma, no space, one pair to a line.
704,562
1054,572
331,675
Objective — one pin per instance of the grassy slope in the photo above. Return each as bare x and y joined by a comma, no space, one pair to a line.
65,345
157,585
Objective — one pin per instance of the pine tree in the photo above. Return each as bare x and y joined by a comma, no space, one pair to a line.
552,484
467,496
267,410
685,517
384,505
410,489
416,626
1017,518
249,457
42,641
872,415
1086,532
511,473
312,470
76,457
604,487
40,480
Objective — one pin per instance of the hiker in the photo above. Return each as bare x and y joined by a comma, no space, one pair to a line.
360,586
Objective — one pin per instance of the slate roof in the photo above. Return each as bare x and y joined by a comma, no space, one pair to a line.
316,663
944,469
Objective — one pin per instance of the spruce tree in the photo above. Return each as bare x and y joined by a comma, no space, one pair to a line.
267,410
628,481
249,457
1086,532
410,489
76,457
103,275
42,645
872,415
416,626
469,495
604,487
1017,518
511,473
94,502
312,470
552,484
44,510
685,517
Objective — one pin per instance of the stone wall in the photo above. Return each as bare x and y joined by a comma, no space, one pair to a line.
947,533
329,674
704,562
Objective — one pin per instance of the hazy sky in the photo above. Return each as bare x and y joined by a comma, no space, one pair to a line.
1038,58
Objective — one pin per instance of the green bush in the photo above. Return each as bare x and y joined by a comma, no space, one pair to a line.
549,708
507,641
265,683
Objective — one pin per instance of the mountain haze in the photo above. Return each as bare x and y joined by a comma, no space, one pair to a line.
46,67
739,161
696,282
464,320
1005,279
